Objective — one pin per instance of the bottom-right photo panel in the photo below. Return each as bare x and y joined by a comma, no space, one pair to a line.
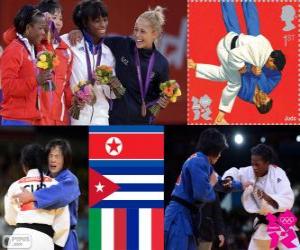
232,187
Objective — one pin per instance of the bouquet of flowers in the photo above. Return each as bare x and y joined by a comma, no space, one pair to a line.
104,76
84,94
47,60
169,89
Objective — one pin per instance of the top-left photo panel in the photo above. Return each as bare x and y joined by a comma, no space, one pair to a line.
92,62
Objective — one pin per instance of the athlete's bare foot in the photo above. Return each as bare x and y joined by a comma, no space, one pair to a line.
220,120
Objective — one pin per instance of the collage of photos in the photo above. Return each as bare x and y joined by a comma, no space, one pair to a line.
150,125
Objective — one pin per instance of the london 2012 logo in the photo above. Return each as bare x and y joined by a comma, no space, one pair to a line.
281,229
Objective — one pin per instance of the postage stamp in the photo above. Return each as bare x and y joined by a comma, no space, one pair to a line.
243,62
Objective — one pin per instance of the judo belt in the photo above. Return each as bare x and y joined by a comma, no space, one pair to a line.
233,42
43,228
191,207
262,219
73,227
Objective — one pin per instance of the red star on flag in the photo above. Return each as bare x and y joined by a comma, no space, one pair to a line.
97,192
114,146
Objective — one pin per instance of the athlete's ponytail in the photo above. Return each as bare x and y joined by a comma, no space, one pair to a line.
156,18
33,157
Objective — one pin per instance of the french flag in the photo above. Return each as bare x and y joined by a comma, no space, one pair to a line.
126,187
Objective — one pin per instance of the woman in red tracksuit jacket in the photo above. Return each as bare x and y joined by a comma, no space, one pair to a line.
54,105
19,80
1,52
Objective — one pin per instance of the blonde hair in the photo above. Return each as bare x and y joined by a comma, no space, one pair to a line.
156,18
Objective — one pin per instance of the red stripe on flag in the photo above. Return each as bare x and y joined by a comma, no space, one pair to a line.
157,229
126,146
120,229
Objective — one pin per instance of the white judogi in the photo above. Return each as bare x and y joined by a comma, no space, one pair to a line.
59,218
251,49
98,113
275,184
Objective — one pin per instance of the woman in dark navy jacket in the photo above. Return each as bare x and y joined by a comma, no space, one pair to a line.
141,68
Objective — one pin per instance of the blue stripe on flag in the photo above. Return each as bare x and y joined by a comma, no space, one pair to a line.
141,187
129,170
126,129
133,229
129,204
126,163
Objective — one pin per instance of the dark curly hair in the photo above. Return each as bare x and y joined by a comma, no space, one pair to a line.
86,10
265,152
26,15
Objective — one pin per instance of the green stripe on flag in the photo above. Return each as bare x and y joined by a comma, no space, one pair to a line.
95,229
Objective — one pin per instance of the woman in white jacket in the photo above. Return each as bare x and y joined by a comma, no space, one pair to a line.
91,18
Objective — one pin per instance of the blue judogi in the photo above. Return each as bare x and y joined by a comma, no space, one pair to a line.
182,224
127,110
66,192
266,82
268,79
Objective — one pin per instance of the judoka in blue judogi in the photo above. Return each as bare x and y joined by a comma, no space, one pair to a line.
194,187
66,192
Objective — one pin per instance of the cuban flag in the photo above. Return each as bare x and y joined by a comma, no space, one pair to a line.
126,187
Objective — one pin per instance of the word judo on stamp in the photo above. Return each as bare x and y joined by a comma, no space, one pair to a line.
243,62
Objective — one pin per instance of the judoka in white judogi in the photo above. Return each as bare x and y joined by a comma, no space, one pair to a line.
59,218
249,49
276,185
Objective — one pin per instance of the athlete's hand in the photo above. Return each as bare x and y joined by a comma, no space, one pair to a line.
24,197
76,101
243,70
268,199
213,178
44,76
163,101
227,182
247,184
221,239
74,37
256,70
191,64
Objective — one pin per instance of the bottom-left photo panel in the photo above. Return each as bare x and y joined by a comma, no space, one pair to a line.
44,188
